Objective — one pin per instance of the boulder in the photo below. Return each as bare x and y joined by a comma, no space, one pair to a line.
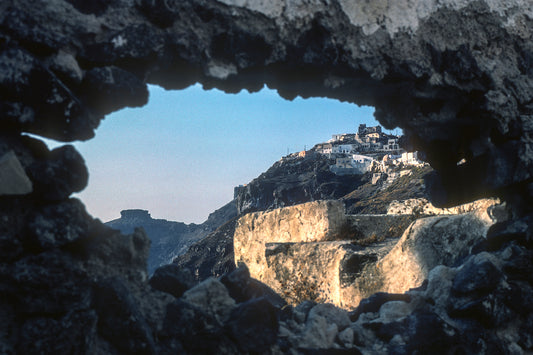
120,320
212,297
428,242
309,222
172,279
57,225
323,272
254,325
243,288
13,178
61,173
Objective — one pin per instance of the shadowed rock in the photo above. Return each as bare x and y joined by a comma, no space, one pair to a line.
456,76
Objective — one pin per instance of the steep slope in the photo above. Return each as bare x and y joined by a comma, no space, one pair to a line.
375,199
212,255
170,239
291,181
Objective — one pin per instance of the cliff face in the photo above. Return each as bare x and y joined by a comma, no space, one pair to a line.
212,255
290,182
456,76
294,181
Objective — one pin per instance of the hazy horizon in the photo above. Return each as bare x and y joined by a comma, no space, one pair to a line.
181,155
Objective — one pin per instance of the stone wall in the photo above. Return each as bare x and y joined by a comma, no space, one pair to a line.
421,206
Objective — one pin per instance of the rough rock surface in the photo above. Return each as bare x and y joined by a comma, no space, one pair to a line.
421,206
13,178
428,242
322,272
308,222
455,75
455,96
314,251
212,255
293,181
290,182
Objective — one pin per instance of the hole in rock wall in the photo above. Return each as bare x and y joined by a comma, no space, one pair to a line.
181,155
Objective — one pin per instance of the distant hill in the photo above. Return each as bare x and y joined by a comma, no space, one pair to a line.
170,239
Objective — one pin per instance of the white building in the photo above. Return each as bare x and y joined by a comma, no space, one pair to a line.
344,163
410,158
362,162
324,148
392,144
336,137
354,164
342,149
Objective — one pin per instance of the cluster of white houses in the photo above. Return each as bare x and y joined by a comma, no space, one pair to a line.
367,139
367,150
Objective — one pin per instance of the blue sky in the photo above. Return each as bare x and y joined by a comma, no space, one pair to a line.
181,155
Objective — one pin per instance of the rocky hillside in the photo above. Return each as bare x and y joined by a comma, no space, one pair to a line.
293,181
297,180
170,239
211,256
370,198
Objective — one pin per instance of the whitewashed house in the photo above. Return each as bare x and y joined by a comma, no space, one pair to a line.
342,149
362,162
410,158
324,148
392,144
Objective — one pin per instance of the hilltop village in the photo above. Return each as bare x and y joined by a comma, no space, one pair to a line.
368,150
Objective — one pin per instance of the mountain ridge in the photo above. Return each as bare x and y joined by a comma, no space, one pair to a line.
169,238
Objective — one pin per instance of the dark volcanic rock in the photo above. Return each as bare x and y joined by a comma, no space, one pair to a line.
374,303
57,225
104,85
75,333
212,255
254,325
294,181
456,76
477,275
199,330
243,288
172,279
62,173
63,285
114,304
